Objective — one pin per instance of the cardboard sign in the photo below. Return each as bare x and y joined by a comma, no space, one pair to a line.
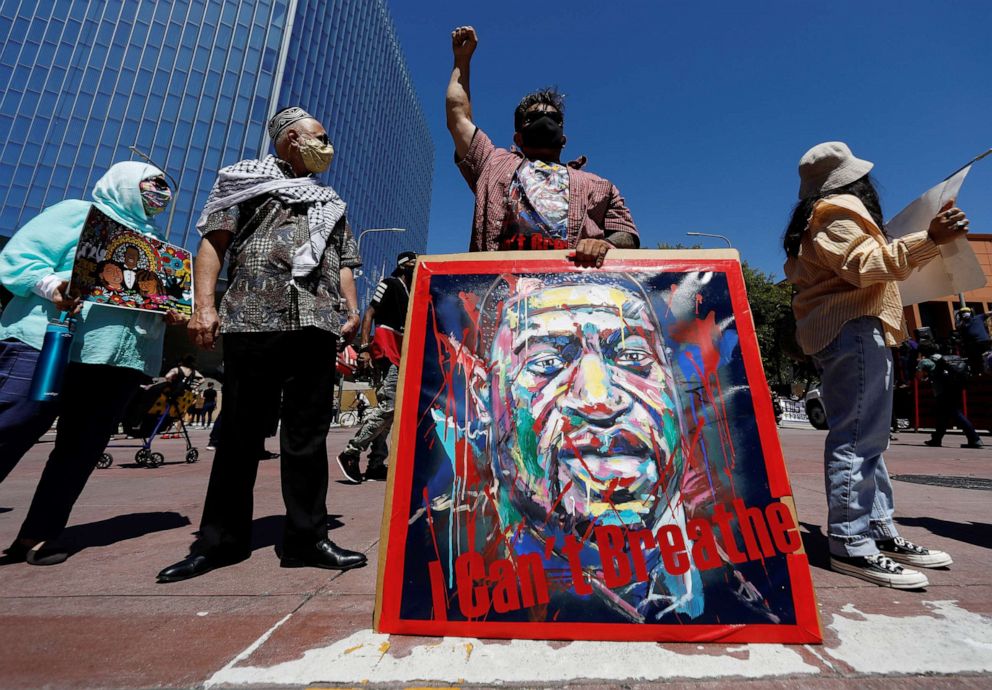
588,454
120,267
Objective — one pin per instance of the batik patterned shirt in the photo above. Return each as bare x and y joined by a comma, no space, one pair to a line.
262,295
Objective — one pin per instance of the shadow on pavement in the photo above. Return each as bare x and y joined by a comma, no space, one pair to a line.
816,545
977,533
267,531
120,528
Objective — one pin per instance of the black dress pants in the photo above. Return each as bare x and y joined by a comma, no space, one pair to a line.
90,406
259,367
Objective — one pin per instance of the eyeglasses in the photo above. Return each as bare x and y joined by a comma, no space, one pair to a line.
532,115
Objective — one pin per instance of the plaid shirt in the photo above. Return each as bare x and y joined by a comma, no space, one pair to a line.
595,207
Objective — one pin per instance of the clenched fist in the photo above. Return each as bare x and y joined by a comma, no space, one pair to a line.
464,42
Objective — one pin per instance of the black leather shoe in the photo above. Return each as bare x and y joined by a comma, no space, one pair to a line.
193,565
325,554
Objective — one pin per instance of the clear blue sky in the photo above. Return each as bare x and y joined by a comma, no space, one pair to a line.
700,111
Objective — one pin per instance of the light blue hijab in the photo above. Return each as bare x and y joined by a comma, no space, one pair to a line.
46,245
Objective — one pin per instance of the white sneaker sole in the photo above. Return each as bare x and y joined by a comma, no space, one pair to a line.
345,473
909,579
931,560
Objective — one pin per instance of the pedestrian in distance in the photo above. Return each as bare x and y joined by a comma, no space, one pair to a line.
290,253
526,198
848,315
114,351
380,355
949,374
209,404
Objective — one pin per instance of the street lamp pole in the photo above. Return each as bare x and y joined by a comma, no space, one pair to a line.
710,234
366,231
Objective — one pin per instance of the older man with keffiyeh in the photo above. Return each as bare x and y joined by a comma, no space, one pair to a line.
290,257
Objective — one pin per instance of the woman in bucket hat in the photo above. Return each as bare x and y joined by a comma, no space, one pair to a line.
848,314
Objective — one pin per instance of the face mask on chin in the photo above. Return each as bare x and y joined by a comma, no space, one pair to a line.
316,155
543,133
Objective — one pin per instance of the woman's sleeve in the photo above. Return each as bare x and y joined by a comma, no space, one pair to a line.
40,249
860,259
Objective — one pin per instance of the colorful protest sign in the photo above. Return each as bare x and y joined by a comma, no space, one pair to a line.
588,454
119,267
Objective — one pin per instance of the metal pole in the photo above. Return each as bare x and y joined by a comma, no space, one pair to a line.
710,234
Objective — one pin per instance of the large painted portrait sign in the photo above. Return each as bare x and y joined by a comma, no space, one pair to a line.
119,267
588,454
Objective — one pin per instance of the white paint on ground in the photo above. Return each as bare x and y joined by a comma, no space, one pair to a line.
953,640
201,614
249,650
360,658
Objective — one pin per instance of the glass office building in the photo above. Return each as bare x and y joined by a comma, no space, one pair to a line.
192,83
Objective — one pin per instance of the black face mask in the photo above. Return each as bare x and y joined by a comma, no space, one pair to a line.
542,133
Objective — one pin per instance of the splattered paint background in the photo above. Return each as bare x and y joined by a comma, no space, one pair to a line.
446,500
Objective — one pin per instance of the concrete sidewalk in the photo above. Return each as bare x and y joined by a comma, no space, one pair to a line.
100,620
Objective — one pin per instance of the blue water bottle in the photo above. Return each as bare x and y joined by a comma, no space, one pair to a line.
48,374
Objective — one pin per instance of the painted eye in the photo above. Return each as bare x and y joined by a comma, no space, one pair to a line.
545,365
636,358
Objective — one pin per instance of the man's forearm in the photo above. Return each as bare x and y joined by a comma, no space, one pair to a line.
348,289
367,326
622,240
207,266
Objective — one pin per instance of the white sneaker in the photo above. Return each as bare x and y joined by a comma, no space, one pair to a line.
898,549
879,569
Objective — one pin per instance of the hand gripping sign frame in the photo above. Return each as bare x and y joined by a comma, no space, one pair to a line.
587,454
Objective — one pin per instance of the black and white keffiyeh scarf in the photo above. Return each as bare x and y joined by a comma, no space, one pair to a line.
251,178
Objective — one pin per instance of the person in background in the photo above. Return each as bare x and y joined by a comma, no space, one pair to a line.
381,355
290,254
526,198
974,336
113,351
209,404
948,374
848,315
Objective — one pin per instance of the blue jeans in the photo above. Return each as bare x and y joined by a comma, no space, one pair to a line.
857,377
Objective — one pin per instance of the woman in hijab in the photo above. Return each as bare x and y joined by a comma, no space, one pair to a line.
848,316
113,351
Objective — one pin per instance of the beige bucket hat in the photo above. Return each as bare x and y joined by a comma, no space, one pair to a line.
828,166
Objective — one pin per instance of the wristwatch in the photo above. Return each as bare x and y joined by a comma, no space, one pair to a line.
363,347
354,312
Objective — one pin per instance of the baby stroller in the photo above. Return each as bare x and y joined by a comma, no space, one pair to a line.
153,412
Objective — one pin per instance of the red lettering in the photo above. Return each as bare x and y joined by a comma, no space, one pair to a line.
722,518
752,523
616,566
505,596
439,593
473,600
572,549
533,581
704,552
671,543
640,541
783,527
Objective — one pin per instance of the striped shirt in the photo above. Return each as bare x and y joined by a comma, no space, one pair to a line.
847,269
595,207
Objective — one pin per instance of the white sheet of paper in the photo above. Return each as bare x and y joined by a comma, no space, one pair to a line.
957,269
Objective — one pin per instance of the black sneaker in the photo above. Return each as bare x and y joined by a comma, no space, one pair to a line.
376,473
348,462
932,443
907,552
879,569
976,444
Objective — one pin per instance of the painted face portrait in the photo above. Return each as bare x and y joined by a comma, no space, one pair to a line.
131,257
111,275
149,283
585,418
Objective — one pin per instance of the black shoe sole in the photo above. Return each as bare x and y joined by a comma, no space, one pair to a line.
300,563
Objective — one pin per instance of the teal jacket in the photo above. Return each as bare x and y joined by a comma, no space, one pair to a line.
46,245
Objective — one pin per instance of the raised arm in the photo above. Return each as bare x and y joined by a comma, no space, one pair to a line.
458,101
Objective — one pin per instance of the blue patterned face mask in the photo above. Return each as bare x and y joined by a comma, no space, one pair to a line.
155,195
